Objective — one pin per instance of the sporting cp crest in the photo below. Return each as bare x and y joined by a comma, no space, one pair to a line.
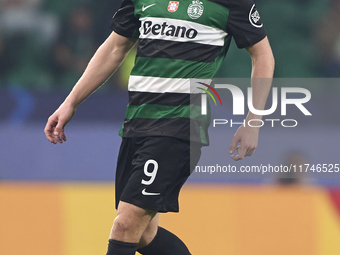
195,9
173,6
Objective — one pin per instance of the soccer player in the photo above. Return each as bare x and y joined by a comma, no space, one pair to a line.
161,139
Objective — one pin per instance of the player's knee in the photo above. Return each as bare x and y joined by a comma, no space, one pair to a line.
121,225
130,221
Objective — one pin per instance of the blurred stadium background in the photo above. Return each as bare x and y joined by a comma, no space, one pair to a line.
59,200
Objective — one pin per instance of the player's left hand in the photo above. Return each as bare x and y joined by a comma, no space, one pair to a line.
244,142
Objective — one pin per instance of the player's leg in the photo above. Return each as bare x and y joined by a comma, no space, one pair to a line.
181,157
127,229
150,232
158,241
131,220
159,168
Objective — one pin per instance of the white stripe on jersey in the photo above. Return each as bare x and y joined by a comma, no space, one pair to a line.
187,31
163,85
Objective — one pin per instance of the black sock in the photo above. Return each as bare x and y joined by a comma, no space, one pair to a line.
121,248
165,243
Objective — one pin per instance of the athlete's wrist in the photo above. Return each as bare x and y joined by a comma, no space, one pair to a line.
251,116
70,102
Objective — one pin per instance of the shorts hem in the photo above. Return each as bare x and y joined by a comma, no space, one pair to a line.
160,209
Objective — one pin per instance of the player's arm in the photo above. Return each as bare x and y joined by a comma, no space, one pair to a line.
262,73
103,64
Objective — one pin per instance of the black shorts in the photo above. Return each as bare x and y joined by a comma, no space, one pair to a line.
152,170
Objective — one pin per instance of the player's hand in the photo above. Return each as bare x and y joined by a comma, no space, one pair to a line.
244,142
55,127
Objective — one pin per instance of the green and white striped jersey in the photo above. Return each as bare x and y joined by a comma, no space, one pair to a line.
179,41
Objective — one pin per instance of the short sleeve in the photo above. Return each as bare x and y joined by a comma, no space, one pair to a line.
124,21
244,23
